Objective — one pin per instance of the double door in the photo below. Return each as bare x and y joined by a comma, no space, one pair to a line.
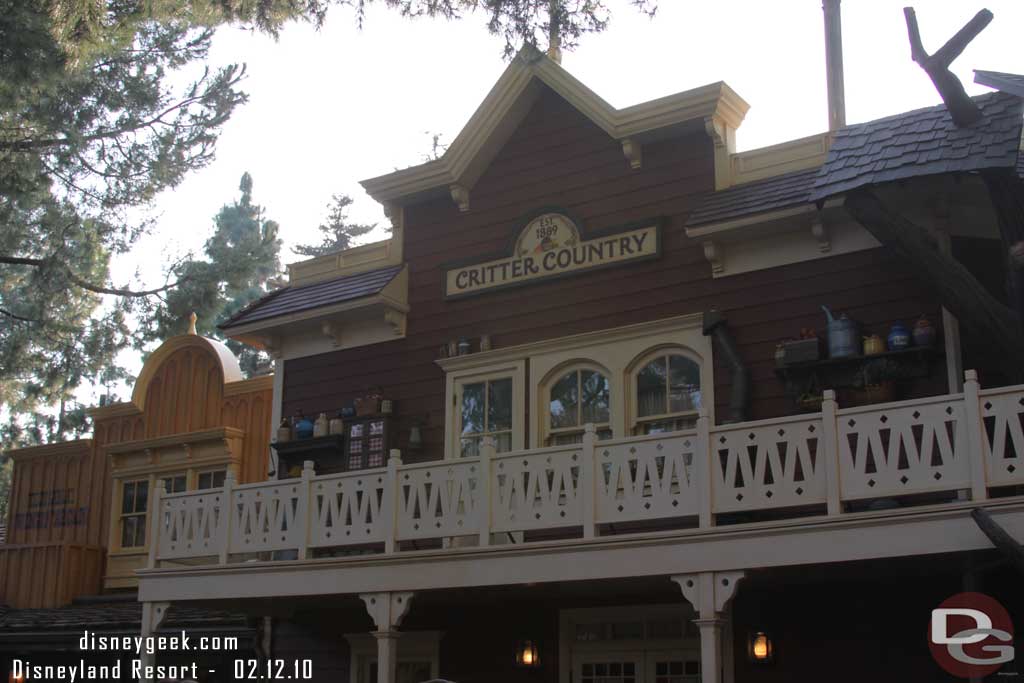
637,666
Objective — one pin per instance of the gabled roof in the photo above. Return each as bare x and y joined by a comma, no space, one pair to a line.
778,192
511,98
1009,83
306,297
922,142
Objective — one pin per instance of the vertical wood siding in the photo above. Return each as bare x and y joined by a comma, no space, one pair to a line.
559,158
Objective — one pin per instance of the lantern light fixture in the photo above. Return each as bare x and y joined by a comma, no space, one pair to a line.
760,648
527,655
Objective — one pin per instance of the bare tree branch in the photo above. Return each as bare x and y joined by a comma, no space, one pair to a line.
85,284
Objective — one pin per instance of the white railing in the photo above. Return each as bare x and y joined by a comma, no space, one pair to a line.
812,464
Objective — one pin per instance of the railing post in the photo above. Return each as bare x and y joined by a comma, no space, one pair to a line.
588,482
305,508
975,436
829,450
228,515
156,501
484,501
392,500
704,462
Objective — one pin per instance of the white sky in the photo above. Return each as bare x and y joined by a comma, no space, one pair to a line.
333,107
330,108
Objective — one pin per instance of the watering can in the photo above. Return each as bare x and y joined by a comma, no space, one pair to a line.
843,339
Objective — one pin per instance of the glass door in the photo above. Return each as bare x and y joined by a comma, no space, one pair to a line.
609,667
672,666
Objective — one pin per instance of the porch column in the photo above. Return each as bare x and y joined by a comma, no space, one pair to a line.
710,593
387,610
153,614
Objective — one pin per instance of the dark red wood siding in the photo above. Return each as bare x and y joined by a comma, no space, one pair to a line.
557,157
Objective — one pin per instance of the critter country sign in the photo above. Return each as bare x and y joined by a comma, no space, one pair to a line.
550,245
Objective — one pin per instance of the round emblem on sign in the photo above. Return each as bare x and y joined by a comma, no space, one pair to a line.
546,232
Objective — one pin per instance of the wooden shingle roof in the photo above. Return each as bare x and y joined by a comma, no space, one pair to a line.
305,297
778,192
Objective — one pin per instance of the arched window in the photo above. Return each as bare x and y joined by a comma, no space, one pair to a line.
667,394
575,396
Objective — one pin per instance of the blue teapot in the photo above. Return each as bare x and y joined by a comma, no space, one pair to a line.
303,427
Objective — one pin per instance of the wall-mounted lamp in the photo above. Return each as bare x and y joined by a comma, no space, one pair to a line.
760,648
527,655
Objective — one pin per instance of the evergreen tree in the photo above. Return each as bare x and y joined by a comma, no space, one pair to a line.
242,263
337,232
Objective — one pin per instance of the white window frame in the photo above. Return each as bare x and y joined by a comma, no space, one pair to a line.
632,405
544,398
454,381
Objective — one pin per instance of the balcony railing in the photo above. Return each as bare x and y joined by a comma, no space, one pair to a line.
936,449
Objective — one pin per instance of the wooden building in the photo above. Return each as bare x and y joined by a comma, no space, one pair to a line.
80,516
577,446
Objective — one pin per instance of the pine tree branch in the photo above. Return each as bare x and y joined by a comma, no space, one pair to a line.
85,284
19,318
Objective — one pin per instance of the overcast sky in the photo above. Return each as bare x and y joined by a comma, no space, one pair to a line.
331,107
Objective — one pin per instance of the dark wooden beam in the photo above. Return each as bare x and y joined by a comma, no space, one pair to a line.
1006,190
957,288
961,107
1004,542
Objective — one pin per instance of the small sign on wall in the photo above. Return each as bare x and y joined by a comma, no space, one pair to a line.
550,245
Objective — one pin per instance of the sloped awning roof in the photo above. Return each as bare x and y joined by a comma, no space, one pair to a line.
1011,83
289,300
779,192
920,143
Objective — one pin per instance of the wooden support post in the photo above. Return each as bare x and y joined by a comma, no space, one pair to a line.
484,490
153,614
392,500
829,450
704,461
227,516
976,451
306,507
387,609
589,479
710,594
155,520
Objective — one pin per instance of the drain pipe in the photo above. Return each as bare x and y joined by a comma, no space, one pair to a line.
716,326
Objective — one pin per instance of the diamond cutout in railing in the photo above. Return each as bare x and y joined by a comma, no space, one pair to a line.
751,436
810,428
781,432
675,503
659,447
903,479
871,482
916,414
739,496
721,439
799,491
621,508
768,494
647,506
1011,469
883,419
632,450
937,475
852,422
949,410
988,405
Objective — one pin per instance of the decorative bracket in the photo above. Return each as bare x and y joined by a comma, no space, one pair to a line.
715,256
460,194
153,615
387,609
634,153
332,331
709,592
396,319
821,233
715,129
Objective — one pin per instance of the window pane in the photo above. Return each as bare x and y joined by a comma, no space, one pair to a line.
470,448
205,481
128,531
564,401
174,484
218,478
499,405
140,531
650,388
594,393
128,497
503,442
141,495
684,387
473,408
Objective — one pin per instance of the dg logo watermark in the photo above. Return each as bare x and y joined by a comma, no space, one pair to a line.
971,635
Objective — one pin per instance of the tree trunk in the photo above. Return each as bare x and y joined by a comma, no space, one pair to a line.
1007,193
959,291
